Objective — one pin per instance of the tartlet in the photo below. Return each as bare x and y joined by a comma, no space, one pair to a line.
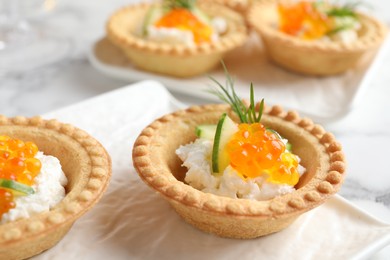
318,58
155,160
174,60
87,167
239,5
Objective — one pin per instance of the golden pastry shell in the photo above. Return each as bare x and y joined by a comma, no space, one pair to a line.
238,5
87,167
158,166
175,60
320,58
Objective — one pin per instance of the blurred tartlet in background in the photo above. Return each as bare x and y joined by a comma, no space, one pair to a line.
241,6
176,38
316,37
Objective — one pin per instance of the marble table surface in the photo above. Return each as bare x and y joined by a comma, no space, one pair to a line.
364,131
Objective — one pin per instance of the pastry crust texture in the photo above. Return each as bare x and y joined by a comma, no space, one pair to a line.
318,58
158,166
87,167
175,60
238,5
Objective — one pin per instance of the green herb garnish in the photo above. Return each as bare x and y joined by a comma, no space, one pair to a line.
246,114
228,94
338,29
344,16
173,4
347,10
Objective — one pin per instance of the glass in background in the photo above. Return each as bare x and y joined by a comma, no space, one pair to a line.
25,43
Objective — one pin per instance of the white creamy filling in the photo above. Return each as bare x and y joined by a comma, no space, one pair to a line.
347,35
177,36
196,157
170,35
49,191
219,25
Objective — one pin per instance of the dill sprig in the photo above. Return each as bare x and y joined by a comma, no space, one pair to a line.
346,10
173,4
340,12
246,114
338,29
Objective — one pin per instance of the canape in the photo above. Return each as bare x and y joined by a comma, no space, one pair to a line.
87,168
243,208
315,37
176,38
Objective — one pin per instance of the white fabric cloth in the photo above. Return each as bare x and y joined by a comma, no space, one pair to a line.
133,222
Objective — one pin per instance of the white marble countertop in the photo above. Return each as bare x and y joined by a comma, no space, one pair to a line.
364,131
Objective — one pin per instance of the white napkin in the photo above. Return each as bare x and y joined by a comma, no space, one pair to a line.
133,222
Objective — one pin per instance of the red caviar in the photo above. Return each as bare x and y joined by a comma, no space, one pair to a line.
6,201
183,19
304,20
254,151
17,163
